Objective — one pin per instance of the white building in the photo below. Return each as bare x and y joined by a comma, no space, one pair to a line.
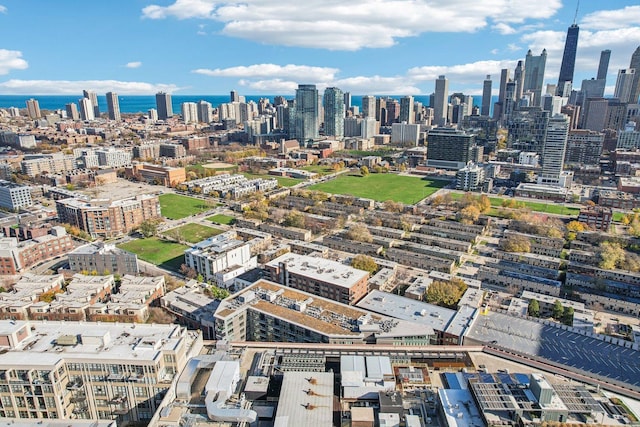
470,178
114,158
555,145
529,158
405,134
14,196
189,112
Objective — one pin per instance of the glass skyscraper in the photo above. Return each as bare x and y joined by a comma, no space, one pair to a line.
306,112
334,110
568,61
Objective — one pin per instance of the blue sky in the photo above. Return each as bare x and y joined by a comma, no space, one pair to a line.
268,47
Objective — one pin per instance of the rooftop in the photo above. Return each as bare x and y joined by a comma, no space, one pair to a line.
321,269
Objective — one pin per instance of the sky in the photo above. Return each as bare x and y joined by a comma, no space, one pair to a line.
377,47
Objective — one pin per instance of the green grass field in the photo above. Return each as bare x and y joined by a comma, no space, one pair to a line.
162,253
175,206
194,233
321,170
551,208
381,187
282,180
222,219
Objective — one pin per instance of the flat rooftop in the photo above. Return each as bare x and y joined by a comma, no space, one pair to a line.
306,399
321,269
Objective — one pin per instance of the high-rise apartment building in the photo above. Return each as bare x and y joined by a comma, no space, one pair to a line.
407,115
486,96
369,106
93,97
603,65
498,109
189,112
334,110
393,111
518,79
33,109
440,101
565,79
449,148
555,146
635,64
113,106
205,114
534,74
233,96
347,101
153,114
86,109
72,111
164,106
306,112
624,85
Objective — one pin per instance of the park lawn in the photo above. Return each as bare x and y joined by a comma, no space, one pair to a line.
175,206
381,187
319,169
551,208
222,219
283,181
194,233
617,216
165,254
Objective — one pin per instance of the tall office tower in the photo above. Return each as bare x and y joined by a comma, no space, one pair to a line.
33,109
498,109
72,111
189,112
164,106
153,114
603,66
306,112
86,109
369,106
518,79
393,111
205,114
624,85
555,146
534,74
347,101
527,129
406,110
440,101
565,79
93,96
334,112
381,110
234,97
486,96
113,106
510,99
279,100
635,64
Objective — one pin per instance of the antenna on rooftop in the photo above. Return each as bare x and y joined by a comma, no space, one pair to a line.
575,17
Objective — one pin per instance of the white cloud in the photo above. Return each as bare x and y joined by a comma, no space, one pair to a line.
611,19
336,25
512,47
134,64
11,60
3,9
474,72
61,87
494,51
504,29
299,72
271,85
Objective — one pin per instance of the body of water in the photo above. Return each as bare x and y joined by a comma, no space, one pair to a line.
142,103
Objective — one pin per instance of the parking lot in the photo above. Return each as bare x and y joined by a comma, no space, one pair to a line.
561,346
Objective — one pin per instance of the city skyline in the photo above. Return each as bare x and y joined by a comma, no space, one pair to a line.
209,47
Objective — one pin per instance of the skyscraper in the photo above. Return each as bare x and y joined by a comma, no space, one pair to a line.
234,97
565,79
486,96
86,109
189,112
72,111
624,85
93,97
498,110
33,109
534,74
306,112
113,106
369,106
635,64
555,145
334,109
204,112
406,110
440,101
164,106
603,66
518,79
347,100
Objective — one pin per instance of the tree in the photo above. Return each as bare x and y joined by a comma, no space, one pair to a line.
534,308
611,254
516,243
469,215
391,206
484,203
359,233
148,227
294,219
188,272
557,311
364,171
446,293
567,317
364,262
